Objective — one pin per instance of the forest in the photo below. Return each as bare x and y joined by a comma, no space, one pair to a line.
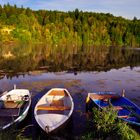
72,28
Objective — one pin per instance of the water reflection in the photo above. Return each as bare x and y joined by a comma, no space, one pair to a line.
18,59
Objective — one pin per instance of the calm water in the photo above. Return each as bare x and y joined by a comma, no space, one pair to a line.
88,71
78,85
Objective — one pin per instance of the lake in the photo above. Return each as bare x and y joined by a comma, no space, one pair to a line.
81,72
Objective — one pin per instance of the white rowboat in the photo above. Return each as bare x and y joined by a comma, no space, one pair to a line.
14,106
54,109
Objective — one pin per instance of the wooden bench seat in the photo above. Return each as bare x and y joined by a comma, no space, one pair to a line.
12,104
42,107
124,116
104,96
115,107
58,93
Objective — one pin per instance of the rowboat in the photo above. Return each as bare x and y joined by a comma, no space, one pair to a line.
126,110
14,106
54,109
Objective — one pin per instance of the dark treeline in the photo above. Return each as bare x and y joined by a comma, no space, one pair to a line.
75,28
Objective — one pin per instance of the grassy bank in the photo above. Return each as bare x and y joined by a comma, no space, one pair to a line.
103,125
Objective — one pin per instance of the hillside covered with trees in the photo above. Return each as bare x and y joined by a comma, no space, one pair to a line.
73,28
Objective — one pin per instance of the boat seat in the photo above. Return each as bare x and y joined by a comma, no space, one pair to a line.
9,112
104,96
12,104
61,108
115,107
127,117
58,93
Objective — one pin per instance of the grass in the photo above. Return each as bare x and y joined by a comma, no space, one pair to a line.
103,125
12,134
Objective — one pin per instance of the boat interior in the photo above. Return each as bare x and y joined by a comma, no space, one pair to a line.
126,110
104,96
56,102
11,105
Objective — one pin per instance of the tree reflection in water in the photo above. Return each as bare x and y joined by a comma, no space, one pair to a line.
28,57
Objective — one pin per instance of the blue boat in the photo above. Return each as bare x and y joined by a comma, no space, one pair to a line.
127,110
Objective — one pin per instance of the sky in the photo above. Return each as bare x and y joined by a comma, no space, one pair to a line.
125,8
